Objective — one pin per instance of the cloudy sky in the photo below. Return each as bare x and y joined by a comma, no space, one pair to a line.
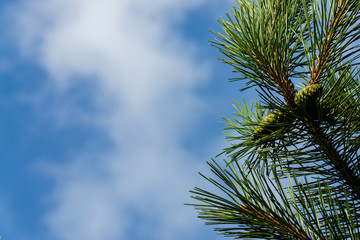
108,111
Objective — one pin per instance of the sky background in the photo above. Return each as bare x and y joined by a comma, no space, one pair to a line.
108,111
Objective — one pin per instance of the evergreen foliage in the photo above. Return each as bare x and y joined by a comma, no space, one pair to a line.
292,170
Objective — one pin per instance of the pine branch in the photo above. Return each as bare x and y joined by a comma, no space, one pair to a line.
338,31
249,208
262,47
335,158
312,135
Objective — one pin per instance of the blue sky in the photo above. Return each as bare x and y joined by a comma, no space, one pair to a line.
109,108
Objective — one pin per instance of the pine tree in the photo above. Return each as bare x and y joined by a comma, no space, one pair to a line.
292,170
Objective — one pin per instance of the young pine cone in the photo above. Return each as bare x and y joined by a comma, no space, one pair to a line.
306,100
274,121
308,96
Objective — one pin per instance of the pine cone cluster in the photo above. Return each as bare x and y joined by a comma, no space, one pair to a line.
305,100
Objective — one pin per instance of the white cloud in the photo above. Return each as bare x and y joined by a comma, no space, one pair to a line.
146,73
